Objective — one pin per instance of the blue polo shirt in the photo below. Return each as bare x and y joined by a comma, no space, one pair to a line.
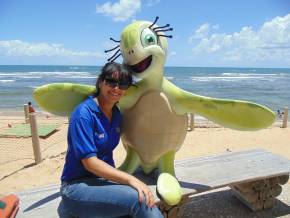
90,134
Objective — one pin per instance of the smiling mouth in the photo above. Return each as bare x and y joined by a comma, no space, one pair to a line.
142,65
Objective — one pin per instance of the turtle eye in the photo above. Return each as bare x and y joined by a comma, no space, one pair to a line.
148,37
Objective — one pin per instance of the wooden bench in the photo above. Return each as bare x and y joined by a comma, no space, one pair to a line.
255,177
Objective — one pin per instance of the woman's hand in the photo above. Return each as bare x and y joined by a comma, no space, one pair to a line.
142,188
102,169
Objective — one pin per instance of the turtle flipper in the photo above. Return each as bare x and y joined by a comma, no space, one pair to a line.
235,114
61,98
132,161
168,188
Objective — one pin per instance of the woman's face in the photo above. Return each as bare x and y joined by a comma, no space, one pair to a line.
110,91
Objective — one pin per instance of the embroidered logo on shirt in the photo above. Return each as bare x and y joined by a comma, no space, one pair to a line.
101,136
118,129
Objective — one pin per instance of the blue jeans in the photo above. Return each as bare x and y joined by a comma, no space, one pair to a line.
94,197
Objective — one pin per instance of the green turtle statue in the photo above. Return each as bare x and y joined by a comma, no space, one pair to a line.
155,110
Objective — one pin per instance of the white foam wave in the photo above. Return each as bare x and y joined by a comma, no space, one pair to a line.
82,77
249,74
169,77
225,78
29,77
284,74
33,87
11,74
48,73
7,81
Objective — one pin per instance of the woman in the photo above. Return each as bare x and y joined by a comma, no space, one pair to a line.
91,185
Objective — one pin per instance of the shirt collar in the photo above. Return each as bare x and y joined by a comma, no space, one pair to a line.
94,105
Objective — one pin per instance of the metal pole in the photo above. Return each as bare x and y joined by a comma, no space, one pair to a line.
35,138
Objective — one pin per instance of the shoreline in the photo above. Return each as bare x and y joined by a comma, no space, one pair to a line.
199,121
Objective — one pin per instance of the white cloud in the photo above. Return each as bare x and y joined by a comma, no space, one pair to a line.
121,11
202,31
20,48
270,43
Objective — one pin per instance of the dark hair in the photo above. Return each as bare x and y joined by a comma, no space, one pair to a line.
112,70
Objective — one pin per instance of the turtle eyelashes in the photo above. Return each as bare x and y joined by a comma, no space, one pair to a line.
117,53
115,56
161,29
167,36
106,51
114,40
156,18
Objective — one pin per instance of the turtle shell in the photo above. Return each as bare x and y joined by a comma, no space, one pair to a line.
152,128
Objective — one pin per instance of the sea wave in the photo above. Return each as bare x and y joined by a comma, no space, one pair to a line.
82,77
249,74
224,78
44,73
29,77
7,81
33,87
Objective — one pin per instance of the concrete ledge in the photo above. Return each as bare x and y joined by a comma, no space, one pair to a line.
43,203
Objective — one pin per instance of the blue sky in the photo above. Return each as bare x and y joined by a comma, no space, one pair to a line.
224,33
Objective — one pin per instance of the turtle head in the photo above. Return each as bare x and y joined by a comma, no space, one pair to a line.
144,47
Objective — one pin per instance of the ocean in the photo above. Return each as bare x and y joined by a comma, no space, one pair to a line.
267,86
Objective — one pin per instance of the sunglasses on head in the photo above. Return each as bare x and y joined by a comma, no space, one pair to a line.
113,83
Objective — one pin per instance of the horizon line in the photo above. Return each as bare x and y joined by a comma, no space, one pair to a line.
164,66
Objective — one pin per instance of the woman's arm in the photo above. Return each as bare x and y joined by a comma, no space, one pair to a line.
104,170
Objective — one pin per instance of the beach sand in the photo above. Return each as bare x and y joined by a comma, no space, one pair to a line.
18,171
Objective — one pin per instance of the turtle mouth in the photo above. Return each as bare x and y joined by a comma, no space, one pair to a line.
142,65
